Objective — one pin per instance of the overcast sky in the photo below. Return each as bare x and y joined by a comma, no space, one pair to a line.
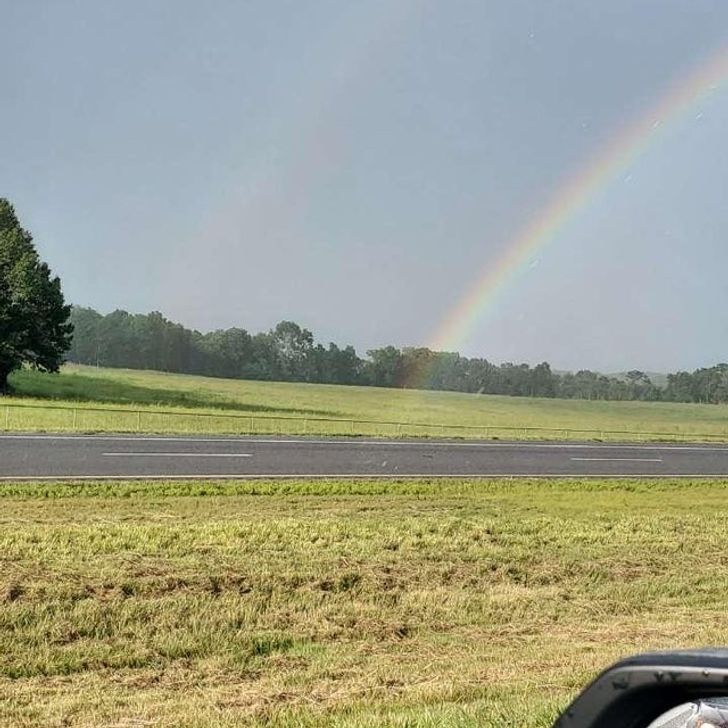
355,166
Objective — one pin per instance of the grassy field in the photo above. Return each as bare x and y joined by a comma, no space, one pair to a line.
86,387
457,603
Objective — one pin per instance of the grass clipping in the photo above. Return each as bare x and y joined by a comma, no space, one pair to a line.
455,603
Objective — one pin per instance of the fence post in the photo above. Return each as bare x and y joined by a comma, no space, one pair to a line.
7,417
139,420
75,418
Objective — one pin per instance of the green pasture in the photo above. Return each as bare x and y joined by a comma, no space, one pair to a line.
235,406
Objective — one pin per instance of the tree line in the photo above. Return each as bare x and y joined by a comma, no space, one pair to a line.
38,329
290,352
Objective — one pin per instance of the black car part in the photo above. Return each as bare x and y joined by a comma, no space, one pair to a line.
638,691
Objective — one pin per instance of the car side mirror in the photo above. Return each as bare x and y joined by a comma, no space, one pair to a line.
656,690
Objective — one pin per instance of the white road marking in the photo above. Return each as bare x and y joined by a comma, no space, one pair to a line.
177,455
617,460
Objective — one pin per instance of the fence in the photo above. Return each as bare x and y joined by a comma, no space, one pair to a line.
64,418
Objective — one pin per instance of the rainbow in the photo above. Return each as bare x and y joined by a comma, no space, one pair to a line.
576,193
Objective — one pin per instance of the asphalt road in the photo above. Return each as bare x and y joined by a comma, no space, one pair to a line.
83,456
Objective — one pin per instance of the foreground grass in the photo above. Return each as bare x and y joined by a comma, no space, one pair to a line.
268,407
295,603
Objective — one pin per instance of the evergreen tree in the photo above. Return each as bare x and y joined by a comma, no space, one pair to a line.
34,327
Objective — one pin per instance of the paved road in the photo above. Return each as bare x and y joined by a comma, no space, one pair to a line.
57,456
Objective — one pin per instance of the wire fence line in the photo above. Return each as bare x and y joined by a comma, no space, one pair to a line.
50,417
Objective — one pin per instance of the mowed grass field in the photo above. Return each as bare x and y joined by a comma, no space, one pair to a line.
411,603
288,408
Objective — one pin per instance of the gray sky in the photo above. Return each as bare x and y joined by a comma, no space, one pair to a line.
355,166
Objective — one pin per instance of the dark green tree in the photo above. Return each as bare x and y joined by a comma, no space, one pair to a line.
294,346
34,327
385,367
